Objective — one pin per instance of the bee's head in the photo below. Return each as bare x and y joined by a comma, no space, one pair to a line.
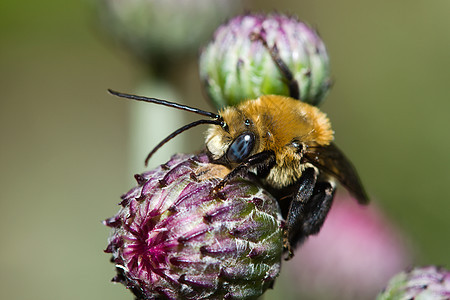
235,140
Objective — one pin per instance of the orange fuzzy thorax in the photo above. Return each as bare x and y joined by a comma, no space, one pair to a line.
277,121
287,119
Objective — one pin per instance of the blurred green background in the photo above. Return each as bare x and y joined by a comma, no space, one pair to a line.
64,141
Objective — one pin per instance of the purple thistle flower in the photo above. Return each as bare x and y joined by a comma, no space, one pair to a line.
237,65
419,283
173,239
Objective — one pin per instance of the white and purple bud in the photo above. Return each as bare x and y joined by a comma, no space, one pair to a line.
173,238
163,30
424,283
249,55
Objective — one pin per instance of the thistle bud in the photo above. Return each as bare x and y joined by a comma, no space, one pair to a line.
241,61
174,238
419,283
163,29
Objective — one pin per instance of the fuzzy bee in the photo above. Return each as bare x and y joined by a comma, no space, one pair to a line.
288,145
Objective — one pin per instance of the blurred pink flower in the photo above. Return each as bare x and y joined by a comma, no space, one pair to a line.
354,255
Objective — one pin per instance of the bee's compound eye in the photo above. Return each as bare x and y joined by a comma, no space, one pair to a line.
298,146
241,147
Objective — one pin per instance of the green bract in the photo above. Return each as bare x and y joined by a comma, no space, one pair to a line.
427,283
236,65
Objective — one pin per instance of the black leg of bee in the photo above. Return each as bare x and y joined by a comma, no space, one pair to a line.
296,213
262,160
294,89
318,207
308,210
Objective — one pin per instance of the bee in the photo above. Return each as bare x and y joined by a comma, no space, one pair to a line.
286,143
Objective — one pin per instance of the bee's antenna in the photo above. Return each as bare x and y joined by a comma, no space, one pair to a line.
217,119
166,103
180,130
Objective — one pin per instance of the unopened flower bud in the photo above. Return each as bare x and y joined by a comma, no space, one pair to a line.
419,283
241,61
174,238
161,29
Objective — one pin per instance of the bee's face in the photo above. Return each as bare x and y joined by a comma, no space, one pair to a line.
234,142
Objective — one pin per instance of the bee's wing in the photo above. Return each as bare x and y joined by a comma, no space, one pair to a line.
331,160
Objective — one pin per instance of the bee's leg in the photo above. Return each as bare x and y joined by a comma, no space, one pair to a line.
261,160
308,209
294,89
293,232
